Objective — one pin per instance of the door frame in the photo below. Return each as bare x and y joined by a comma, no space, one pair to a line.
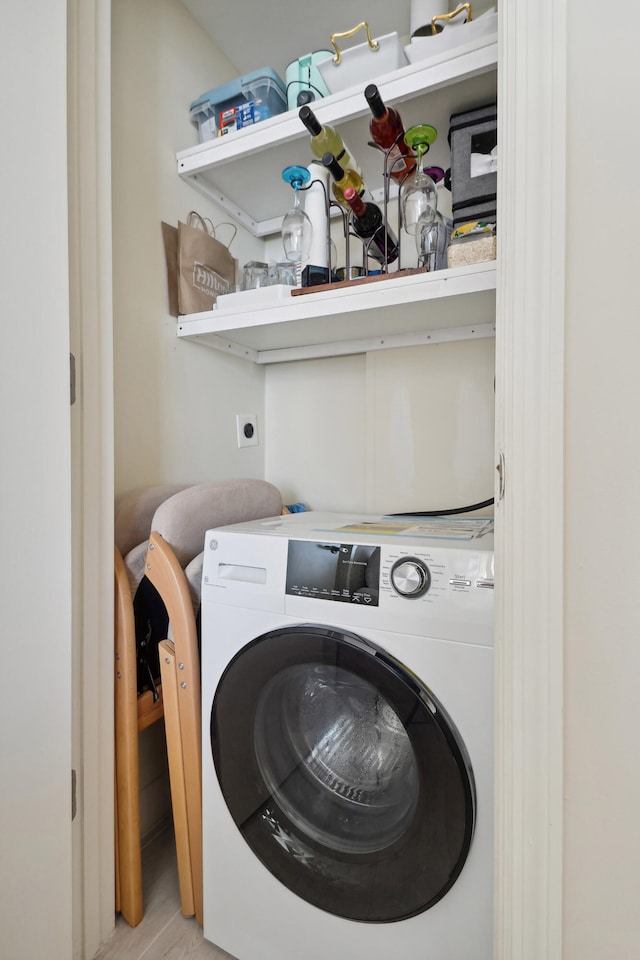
91,329
529,491
529,443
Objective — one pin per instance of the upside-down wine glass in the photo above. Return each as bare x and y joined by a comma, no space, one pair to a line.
297,229
418,195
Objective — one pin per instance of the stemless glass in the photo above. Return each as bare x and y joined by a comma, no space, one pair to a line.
297,229
418,195
432,239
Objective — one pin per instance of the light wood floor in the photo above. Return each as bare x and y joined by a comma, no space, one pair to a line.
163,934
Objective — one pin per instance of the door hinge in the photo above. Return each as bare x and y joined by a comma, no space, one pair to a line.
74,801
72,379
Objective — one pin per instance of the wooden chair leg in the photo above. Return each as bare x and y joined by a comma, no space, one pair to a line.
166,574
116,846
129,858
177,775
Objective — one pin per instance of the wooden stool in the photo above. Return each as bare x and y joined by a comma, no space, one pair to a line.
172,564
133,711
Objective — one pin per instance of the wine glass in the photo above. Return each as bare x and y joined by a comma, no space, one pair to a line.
418,195
297,229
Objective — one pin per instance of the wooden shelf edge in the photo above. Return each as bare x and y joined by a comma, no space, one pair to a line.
360,282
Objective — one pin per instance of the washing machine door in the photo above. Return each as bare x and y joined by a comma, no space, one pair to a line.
343,773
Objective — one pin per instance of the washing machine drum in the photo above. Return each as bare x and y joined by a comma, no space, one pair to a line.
343,773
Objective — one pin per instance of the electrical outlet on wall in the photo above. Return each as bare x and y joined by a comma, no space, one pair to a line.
247,429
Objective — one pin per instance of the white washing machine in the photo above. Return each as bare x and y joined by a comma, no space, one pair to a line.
347,678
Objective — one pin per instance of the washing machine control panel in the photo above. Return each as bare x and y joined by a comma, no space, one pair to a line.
342,572
409,587
408,577
364,574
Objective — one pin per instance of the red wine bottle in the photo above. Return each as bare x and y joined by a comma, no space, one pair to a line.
368,224
385,128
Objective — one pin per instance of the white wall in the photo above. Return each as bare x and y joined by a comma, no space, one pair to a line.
35,505
602,527
316,432
430,419
407,429
175,401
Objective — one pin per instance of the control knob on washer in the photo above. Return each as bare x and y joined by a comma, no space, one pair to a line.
410,577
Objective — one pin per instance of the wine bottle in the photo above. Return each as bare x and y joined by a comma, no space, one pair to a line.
326,139
368,224
342,179
385,128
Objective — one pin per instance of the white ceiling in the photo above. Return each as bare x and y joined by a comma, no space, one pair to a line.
293,27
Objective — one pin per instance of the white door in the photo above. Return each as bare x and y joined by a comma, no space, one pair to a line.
35,500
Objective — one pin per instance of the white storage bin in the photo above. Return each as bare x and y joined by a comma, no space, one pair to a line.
453,35
363,63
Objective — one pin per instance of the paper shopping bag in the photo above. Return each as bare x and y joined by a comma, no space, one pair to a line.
206,268
170,241
199,269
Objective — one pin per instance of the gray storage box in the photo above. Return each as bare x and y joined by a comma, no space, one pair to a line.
473,137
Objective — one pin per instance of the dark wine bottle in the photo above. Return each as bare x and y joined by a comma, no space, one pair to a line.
368,224
385,128
342,179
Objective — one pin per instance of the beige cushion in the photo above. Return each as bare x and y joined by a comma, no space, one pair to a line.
193,574
134,565
134,512
184,518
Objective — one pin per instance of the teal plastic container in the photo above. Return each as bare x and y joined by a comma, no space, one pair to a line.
247,100
302,76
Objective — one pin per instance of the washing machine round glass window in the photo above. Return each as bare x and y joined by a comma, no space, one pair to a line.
343,772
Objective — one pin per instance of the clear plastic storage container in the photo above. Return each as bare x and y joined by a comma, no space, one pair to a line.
247,100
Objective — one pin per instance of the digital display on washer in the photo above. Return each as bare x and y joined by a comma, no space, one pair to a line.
344,572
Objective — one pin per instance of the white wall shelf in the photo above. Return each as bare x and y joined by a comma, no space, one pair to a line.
405,311
242,172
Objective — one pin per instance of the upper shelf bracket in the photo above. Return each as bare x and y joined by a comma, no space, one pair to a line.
342,348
